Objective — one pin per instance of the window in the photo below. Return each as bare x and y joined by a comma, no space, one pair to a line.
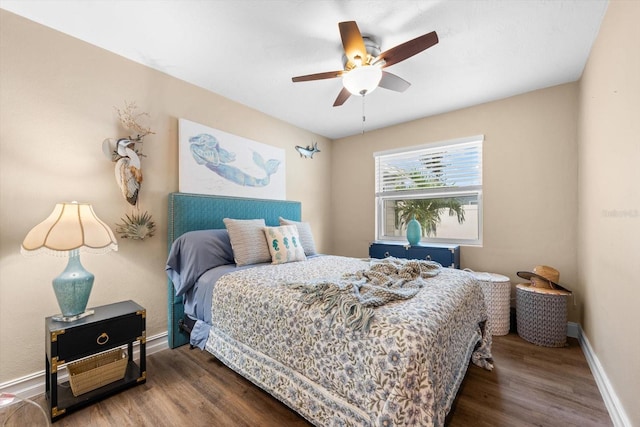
439,184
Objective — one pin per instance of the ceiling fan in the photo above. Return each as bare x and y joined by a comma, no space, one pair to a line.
363,63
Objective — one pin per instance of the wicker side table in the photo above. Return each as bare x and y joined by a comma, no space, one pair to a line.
497,294
541,315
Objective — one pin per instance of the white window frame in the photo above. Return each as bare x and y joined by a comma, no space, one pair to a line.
440,192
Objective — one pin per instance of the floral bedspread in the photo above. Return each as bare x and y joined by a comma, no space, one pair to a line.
404,371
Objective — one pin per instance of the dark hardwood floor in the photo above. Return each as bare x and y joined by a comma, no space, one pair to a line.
530,386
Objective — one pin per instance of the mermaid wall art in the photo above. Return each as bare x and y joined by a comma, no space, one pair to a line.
217,162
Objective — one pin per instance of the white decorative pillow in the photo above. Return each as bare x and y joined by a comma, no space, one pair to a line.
247,241
284,244
306,236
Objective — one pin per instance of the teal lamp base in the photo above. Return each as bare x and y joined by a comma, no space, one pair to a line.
61,318
72,288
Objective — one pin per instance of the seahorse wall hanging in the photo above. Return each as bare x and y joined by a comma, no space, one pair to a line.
126,153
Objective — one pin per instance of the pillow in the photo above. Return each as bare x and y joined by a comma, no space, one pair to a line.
195,252
284,244
248,241
306,236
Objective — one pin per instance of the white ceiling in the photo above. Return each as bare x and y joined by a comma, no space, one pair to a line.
248,50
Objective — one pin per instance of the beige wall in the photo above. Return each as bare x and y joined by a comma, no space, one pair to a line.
609,207
56,106
529,183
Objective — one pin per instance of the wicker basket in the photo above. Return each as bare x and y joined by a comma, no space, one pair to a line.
542,315
497,293
96,371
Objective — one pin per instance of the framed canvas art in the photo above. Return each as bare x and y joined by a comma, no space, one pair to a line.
215,162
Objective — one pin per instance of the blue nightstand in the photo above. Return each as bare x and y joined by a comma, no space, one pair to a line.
447,255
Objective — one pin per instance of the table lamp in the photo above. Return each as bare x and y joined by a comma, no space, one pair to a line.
71,228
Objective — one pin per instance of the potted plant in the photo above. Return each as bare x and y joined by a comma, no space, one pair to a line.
426,212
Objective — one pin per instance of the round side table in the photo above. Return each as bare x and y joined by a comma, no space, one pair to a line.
541,315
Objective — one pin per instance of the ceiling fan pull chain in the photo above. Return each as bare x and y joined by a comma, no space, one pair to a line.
363,116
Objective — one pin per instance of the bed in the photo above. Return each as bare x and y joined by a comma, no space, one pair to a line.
403,366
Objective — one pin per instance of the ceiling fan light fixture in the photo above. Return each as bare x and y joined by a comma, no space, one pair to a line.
362,80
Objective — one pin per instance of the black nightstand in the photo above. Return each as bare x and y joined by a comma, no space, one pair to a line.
113,325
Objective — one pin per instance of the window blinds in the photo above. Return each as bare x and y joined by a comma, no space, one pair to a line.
453,165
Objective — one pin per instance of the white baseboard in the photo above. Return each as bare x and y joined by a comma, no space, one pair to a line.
573,329
33,385
616,411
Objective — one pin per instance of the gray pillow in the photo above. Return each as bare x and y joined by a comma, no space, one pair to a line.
248,241
306,236
194,253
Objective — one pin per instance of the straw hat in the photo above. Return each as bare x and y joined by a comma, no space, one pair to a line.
543,276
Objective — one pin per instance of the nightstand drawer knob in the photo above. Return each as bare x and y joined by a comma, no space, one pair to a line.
103,338
386,254
428,257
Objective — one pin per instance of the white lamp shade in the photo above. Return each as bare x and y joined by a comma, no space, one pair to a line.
70,226
362,80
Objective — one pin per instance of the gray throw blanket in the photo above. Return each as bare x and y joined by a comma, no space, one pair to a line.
353,297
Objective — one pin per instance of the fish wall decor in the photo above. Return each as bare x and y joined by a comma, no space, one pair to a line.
308,151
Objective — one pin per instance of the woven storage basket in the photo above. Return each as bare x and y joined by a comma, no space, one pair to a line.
542,315
497,294
96,371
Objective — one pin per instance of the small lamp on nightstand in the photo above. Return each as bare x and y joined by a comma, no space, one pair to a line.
71,228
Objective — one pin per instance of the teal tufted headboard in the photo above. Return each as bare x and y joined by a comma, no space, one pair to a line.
189,212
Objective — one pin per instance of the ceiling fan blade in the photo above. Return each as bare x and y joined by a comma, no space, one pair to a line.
352,42
407,49
393,82
342,97
318,76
